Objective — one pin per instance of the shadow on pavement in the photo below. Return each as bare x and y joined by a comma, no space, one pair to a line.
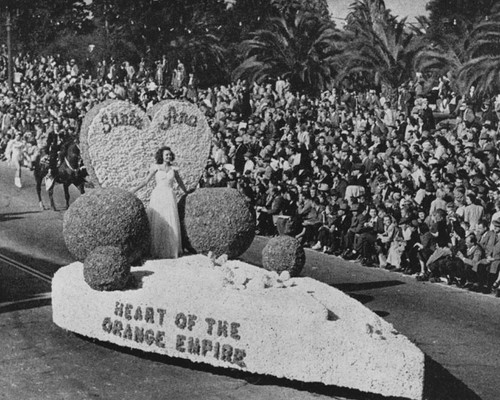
440,384
13,216
43,265
20,289
25,304
348,288
381,314
354,287
362,298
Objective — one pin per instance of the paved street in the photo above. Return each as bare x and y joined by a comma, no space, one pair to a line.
457,330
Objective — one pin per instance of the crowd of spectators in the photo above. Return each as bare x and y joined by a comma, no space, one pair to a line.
367,176
389,180
53,95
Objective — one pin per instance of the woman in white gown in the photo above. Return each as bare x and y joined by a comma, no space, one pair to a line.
162,212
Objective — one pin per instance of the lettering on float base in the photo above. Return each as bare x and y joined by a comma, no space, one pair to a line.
155,336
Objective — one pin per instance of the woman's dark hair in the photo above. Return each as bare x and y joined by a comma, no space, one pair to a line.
159,154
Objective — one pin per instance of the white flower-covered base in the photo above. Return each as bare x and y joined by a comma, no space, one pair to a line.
243,317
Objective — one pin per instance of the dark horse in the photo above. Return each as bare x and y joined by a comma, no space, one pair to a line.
69,172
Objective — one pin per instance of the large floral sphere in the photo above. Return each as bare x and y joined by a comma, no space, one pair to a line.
107,217
284,253
106,268
217,220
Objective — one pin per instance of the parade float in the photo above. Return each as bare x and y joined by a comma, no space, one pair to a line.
208,307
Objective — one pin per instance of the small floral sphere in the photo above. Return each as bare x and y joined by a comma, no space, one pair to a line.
106,268
284,253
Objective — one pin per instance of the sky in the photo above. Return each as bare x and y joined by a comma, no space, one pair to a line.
399,8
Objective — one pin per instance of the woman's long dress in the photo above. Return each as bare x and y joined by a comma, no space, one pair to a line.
164,217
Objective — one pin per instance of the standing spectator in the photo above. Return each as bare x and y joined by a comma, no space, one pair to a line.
473,212
239,155
428,123
73,68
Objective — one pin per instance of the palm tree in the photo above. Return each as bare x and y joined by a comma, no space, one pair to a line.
482,68
301,51
440,50
458,39
200,50
377,45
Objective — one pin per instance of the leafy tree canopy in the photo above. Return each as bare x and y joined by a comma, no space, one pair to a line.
36,23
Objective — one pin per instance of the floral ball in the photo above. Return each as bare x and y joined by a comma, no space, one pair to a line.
284,253
106,268
107,217
217,220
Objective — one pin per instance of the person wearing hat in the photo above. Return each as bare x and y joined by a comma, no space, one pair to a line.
357,183
323,187
340,227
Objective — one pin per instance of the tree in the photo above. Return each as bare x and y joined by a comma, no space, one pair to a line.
36,23
290,8
448,16
377,46
452,41
180,29
482,49
301,51
441,54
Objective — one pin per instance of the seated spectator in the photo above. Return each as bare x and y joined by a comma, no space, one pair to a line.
359,217
473,256
310,215
269,212
409,256
364,243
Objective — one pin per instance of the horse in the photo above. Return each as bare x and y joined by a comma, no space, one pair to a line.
69,172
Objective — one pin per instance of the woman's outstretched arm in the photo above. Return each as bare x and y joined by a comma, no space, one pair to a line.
180,182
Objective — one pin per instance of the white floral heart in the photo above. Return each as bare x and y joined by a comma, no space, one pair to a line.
119,140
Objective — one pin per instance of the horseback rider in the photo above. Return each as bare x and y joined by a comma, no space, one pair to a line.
41,144
55,141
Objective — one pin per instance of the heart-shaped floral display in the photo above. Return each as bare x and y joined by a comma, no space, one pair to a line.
119,140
